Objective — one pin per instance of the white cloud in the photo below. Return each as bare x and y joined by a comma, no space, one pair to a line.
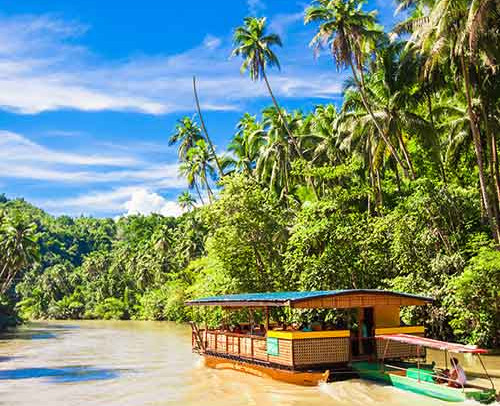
144,201
41,70
21,158
123,201
16,147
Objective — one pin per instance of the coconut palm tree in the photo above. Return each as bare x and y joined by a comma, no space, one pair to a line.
351,34
188,170
202,162
276,155
447,34
186,201
187,133
254,44
246,144
323,130
19,248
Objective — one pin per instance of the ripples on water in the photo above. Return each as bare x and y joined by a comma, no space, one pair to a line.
149,363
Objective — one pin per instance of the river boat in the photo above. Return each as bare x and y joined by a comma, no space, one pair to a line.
426,379
305,357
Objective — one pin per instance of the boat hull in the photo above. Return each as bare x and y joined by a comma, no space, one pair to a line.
373,372
303,378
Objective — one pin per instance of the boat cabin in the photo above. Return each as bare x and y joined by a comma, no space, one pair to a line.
315,348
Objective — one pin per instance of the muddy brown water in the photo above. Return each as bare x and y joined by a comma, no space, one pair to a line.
132,363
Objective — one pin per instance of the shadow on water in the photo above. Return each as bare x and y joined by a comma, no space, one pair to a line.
4,358
62,374
45,333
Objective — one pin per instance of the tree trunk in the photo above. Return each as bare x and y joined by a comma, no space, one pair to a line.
280,113
494,164
360,86
406,155
431,118
476,137
204,128
198,192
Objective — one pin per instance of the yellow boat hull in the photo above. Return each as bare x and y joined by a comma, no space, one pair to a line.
293,377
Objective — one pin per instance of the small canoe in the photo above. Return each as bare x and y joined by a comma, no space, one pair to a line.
420,381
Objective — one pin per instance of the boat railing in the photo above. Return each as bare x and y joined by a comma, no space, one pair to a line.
245,346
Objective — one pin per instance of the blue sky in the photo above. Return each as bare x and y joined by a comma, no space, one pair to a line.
91,91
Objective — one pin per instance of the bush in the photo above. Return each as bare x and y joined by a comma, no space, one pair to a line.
69,307
474,300
110,309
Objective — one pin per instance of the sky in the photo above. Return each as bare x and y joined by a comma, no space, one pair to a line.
91,90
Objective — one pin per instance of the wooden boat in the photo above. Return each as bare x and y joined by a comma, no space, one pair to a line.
425,379
303,357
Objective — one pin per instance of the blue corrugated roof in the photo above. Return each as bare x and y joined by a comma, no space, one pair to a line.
283,297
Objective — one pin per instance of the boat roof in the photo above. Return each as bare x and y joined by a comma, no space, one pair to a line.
435,344
295,298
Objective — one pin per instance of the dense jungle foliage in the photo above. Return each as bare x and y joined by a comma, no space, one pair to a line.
397,188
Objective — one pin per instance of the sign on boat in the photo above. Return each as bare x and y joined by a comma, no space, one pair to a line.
376,346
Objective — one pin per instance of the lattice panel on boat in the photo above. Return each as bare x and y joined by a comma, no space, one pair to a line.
397,350
320,351
285,353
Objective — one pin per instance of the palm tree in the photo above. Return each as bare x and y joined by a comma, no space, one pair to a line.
19,248
323,132
274,162
350,34
449,33
188,170
187,133
246,144
186,201
253,44
203,165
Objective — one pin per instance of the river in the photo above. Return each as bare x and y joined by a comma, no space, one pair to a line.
137,363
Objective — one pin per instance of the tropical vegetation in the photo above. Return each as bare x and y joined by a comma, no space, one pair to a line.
396,188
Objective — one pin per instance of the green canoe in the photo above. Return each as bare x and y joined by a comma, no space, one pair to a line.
409,380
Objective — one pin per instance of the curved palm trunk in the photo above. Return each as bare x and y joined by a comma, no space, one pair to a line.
198,192
202,122
280,113
360,85
476,137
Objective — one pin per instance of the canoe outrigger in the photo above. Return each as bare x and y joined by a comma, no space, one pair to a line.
426,379
318,353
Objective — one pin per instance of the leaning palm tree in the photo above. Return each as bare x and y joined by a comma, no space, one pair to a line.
205,131
350,33
254,44
187,133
